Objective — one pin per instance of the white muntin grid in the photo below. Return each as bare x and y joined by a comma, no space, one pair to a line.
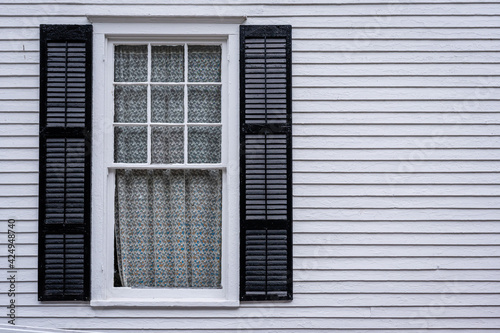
185,124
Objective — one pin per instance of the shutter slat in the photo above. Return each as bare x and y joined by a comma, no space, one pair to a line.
64,191
266,182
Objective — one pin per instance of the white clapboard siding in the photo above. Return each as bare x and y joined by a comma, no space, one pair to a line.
396,160
303,178
404,165
19,106
260,322
364,142
355,300
391,202
307,238
428,226
305,118
303,10
8,328
332,105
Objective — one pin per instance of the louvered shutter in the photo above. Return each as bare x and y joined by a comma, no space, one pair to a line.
64,188
266,163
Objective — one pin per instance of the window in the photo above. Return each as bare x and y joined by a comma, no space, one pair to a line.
177,171
167,165
170,157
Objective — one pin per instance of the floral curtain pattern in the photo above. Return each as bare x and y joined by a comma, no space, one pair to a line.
168,230
204,63
131,63
168,221
131,144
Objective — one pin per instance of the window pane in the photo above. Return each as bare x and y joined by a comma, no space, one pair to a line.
167,63
131,104
131,144
204,144
204,63
168,144
204,104
168,228
167,104
131,63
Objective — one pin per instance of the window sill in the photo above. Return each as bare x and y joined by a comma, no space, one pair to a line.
165,302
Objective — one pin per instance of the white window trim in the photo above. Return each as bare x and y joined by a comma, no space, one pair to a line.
103,293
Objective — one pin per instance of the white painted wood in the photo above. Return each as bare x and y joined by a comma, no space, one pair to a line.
367,69
406,45
382,154
31,32
300,300
402,130
251,324
396,163
106,35
372,93
18,142
380,214
332,105
428,226
15,166
408,166
404,57
329,118
256,2
390,202
396,34
19,117
301,330
366,142
386,249
373,21
304,275
327,312
19,105
13,329
180,9
18,129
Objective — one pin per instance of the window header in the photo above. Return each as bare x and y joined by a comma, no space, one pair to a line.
166,19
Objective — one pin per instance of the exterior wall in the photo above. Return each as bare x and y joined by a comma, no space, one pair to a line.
396,165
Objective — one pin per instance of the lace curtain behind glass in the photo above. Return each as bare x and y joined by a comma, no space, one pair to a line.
168,221
168,233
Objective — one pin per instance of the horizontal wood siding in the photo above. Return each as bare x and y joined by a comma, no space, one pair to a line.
396,149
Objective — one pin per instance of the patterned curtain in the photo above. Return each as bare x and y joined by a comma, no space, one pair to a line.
168,228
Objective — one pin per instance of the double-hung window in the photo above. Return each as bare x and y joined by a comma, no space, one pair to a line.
167,165
165,162
169,234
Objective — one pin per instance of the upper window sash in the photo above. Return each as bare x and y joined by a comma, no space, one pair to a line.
186,42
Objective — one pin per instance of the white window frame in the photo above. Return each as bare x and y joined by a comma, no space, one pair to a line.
107,32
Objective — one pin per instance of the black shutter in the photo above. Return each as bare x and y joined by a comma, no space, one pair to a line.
64,188
266,163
